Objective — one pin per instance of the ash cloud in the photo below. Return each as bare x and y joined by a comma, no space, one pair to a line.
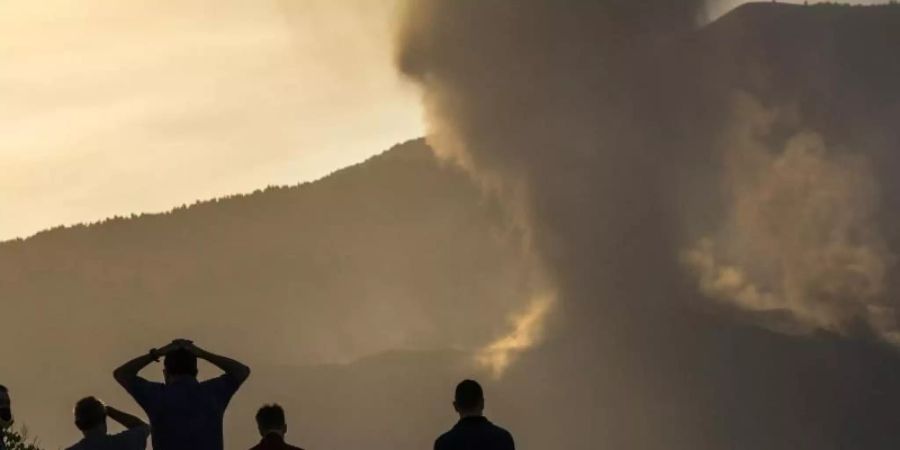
611,130
800,234
544,106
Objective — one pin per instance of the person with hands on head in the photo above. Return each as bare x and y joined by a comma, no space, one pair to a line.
90,418
184,413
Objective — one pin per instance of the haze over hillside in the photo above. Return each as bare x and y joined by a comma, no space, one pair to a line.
404,253
394,253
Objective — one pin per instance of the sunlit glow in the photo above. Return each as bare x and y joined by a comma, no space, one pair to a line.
527,331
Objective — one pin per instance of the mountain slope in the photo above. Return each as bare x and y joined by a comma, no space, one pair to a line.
392,253
374,242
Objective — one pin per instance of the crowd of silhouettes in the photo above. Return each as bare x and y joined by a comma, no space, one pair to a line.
187,414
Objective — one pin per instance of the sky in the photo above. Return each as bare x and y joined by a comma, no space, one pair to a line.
113,107
120,106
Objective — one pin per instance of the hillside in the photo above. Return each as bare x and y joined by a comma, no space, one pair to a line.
387,240
392,253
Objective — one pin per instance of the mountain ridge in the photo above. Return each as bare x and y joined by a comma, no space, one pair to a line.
409,148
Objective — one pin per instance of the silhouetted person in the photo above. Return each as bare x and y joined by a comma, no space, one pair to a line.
90,418
6,417
473,431
272,428
185,414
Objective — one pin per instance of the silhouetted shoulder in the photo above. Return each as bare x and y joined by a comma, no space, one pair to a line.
442,442
475,433
503,437
280,445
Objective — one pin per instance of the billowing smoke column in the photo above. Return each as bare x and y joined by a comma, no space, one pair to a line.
646,184
544,104
576,115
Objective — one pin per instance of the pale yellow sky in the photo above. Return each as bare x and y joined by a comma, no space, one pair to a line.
118,106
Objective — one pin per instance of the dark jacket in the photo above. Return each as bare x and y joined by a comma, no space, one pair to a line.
475,433
273,441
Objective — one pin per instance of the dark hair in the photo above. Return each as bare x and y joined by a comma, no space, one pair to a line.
3,388
89,413
180,362
270,417
469,395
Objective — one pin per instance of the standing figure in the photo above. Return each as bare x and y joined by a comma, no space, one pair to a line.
185,414
272,427
90,418
473,431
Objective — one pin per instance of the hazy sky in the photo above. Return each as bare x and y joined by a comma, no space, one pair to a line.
118,106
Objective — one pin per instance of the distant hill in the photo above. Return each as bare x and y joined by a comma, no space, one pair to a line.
398,239
393,253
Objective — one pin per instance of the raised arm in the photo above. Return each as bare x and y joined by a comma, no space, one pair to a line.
127,420
126,373
234,369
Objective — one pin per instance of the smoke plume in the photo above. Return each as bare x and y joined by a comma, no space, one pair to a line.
528,329
544,106
610,129
800,235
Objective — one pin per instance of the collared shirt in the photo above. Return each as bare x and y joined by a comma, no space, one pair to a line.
185,414
475,433
274,441
130,439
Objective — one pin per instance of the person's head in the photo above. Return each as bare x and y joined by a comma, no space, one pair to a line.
6,418
180,362
469,399
270,419
90,415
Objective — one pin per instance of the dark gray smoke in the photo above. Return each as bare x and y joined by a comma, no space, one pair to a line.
612,129
548,105
565,111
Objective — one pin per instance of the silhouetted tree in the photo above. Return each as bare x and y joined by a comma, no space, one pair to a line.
18,440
